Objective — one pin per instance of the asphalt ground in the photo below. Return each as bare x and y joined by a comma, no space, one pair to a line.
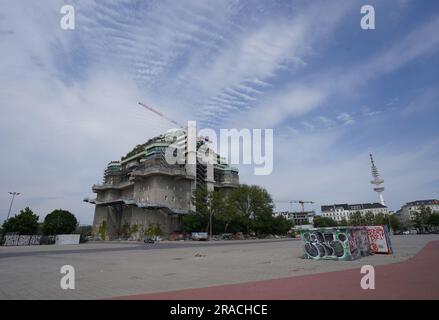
119,269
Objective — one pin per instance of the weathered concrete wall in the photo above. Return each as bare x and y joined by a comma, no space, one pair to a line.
173,192
101,215
170,191
127,193
145,218
107,221
210,181
108,195
117,218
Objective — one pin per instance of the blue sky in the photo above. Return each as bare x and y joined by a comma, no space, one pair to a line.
330,90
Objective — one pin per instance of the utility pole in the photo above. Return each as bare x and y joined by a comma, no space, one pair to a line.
210,205
12,200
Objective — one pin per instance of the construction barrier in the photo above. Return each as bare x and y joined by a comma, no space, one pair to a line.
345,243
379,239
337,243
62,239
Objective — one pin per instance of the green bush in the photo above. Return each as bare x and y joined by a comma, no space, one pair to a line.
103,230
59,222
133,229
153,231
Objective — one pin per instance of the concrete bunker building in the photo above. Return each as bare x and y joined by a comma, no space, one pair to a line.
143,189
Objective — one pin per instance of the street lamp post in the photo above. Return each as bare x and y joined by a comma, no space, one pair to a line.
12,200
210,226
390,225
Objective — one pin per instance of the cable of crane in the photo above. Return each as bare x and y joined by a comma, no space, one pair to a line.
200,138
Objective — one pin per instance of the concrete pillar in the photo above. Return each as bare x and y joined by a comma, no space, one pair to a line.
209,177
191,142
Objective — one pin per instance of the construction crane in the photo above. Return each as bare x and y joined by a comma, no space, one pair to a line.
200,138
301,202
160,114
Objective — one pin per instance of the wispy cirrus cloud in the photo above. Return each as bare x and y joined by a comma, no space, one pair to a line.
424,101
70,97
346,118
330,84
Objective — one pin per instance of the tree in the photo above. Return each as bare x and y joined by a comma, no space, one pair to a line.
239,200
245,208
24,223
390,220
281,225
227,218
207,204
323,222
343,222
59,222
193,222
356,219
395,224
254,208
381,218
433,220
216,208
422,217
199,199
369,218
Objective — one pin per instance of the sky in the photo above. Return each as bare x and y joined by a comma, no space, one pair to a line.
331,91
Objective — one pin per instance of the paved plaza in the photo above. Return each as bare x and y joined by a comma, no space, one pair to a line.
137,270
